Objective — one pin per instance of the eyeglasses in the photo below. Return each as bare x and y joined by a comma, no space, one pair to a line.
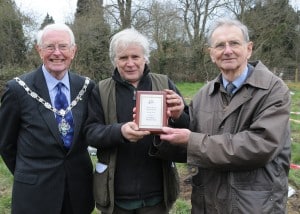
232,44
61,47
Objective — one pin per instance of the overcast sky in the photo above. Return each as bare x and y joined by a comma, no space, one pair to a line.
63,10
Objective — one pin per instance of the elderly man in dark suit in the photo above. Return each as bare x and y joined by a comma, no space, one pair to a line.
41,139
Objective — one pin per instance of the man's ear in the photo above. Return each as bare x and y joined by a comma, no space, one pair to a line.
39,50
74,50
210,51
249,49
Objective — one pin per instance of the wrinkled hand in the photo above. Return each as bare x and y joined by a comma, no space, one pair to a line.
176,136
175,104
131,132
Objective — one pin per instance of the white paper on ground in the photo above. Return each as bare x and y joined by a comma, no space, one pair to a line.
291,192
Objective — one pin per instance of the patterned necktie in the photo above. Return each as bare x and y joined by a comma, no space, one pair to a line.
230,87
65,124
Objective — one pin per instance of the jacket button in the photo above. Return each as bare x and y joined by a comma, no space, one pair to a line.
193,169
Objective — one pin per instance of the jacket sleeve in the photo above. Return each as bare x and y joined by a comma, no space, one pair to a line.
98,133
9,127
168,151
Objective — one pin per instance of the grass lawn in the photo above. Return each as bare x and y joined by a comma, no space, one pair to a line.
182,205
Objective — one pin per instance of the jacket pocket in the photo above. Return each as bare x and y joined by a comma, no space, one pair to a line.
25,178
101,188
253,191
248,201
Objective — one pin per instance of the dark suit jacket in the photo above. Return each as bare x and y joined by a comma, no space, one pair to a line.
33,151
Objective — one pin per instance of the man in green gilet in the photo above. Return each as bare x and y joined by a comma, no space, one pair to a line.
127,179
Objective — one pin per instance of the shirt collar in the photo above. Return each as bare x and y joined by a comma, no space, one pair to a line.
52,82
238,81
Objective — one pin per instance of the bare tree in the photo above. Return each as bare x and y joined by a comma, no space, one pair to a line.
119,13
125,12
165,27
196,14
239,7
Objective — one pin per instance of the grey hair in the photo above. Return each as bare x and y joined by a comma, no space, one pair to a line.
54,27
125,38
227,22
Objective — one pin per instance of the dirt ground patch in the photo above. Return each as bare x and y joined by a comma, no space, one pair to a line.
294,203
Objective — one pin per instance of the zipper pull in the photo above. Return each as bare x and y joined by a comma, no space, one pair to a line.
134,94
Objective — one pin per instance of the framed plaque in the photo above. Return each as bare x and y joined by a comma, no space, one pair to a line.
151,110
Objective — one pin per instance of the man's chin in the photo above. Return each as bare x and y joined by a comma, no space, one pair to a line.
132,78
228,66
57,68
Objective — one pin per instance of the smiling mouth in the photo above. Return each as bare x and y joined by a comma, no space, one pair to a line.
133,71
228,59
56,60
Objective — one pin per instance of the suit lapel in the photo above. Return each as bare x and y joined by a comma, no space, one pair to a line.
40,87
76,84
